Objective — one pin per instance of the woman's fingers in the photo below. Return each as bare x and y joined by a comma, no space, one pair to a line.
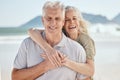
53,55
52,59
43,56
62,56
56,58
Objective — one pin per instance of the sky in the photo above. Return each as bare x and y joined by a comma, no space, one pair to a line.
16,12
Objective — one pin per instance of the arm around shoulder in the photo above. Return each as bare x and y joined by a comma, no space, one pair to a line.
36,36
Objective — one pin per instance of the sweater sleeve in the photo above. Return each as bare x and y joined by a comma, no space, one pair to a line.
88,45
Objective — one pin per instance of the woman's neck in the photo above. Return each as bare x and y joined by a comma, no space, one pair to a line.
73,36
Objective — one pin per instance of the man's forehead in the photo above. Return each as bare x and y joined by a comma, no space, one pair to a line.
54,12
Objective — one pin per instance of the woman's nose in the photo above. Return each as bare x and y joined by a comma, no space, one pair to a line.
71,21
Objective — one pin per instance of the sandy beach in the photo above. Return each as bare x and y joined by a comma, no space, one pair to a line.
107,59
107,72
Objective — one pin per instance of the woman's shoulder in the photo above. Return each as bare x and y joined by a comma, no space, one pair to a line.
88,44
84,37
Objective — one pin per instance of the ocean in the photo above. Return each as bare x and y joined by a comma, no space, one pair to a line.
107,58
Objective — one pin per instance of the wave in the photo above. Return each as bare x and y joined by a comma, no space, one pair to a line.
12,39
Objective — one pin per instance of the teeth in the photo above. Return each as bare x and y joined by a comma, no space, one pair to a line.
52,27
72,27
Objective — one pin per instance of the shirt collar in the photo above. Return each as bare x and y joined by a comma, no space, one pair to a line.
61,43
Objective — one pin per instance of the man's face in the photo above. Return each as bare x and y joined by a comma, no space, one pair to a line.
53,20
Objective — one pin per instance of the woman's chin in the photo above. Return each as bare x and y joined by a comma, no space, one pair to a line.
73,32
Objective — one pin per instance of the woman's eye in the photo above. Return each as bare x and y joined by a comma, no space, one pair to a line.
74,18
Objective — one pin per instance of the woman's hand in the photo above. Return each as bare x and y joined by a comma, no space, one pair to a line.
59,57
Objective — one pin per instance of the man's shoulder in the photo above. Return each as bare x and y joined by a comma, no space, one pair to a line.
28,41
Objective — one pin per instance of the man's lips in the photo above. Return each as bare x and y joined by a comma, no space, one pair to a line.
52,28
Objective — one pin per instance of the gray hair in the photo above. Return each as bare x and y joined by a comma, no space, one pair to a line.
53,5
83,23
74,9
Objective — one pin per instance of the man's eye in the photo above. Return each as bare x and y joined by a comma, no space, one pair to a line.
48,19
57,19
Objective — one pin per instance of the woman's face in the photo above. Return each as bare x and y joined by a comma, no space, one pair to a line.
72,24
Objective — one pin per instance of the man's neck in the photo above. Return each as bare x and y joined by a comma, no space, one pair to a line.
53,39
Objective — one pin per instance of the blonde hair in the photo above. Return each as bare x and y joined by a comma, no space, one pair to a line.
53,5
83,23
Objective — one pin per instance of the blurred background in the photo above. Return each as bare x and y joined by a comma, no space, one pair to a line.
17,16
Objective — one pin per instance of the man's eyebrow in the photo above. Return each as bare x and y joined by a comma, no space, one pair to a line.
47,16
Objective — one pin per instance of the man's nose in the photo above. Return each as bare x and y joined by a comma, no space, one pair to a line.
53,22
